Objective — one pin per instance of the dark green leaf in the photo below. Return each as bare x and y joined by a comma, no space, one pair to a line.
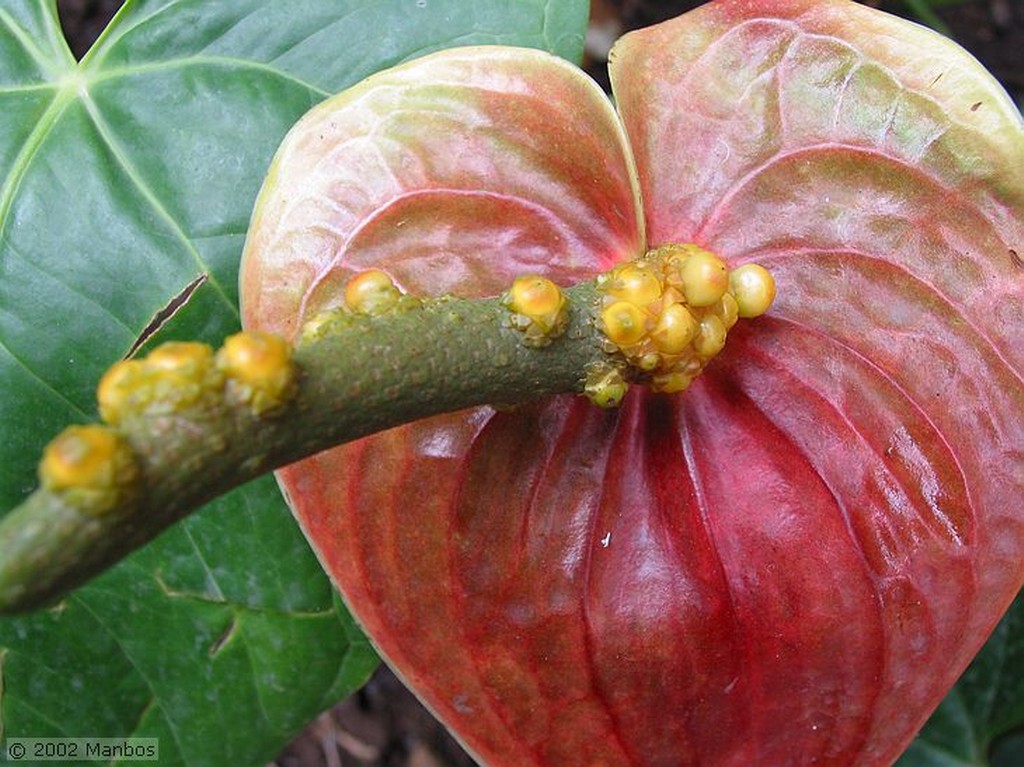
1008,751
124,182
221,663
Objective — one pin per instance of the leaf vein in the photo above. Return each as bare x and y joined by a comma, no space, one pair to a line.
16,89
28,152
257,688
42,381
172,725
148,194
211,579
204,60
71,287
27,44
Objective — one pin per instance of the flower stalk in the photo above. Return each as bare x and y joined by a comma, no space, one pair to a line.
187,424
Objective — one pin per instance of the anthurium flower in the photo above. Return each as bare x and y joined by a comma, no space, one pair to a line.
791,562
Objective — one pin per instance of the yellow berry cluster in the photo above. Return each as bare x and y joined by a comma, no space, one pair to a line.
669,312
538,308
174,376
94,466
251,368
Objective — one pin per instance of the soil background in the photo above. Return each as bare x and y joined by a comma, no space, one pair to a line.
383,725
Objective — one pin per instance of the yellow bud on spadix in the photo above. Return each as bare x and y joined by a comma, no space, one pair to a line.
259,370
536,297
754,289
92,466
371,292
705,278
623,323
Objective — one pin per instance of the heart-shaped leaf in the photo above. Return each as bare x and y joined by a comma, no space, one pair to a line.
126,187
793,561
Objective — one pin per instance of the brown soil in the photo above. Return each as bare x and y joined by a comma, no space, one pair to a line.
383,725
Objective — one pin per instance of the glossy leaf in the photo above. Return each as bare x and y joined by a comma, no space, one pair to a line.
126,187
793,561
180,643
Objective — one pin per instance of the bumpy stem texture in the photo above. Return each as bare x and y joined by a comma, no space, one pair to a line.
185,424
362,373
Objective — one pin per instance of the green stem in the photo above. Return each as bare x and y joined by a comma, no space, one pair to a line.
185,426
374,373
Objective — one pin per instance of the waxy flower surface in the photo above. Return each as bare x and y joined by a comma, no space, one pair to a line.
792,561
